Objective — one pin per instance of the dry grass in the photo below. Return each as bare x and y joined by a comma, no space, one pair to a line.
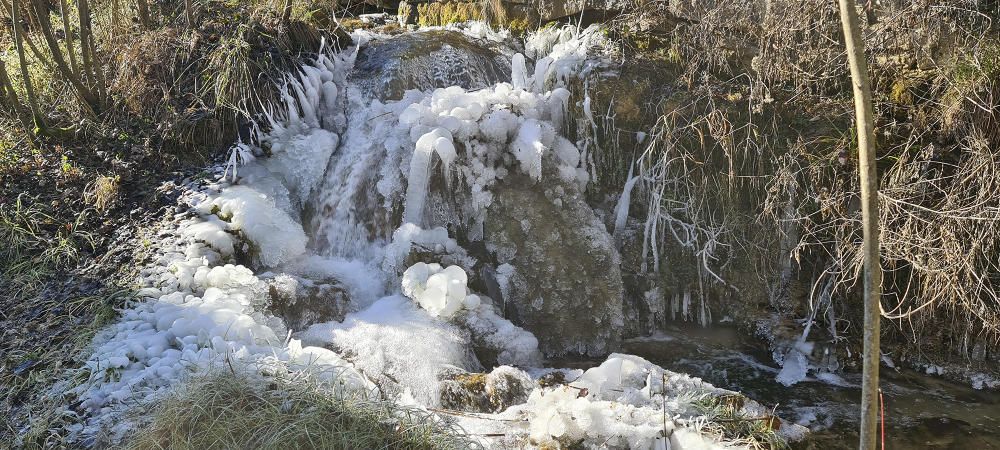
103,192
224,410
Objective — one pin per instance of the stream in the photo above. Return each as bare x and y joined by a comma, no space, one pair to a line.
921,411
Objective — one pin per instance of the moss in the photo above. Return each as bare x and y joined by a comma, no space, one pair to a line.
519,25
351,24
436,14
901,92
474,382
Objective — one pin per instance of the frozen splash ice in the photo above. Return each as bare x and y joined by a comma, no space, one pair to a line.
440,291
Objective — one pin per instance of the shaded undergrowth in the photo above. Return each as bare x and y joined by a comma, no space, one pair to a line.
748,172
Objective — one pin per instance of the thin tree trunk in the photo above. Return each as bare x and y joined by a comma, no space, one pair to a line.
869,209
189,13
38,54
7,88
142,8
286,12
68,36
91,64
29,89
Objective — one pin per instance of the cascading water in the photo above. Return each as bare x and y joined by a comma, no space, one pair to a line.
415,201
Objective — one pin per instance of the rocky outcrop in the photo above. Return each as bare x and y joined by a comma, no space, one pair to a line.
513,14
428,60
558,268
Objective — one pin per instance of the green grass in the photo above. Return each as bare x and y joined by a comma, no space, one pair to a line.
33,242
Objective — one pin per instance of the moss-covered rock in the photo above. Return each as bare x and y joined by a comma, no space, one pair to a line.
561,272
490,392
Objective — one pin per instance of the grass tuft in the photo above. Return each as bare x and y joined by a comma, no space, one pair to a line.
227,410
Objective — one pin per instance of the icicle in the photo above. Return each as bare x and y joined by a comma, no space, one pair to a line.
621,210
329,109
686,305
438,140
306,105
239,155
558,103
519,72
528,148
541,74
311,77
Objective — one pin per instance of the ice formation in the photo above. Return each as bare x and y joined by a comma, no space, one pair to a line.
440,291
397,343
332,149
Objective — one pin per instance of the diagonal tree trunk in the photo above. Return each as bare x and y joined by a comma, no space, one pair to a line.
45,28
29,89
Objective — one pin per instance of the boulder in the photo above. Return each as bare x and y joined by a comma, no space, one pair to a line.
301,302
558,267
428,60
490,392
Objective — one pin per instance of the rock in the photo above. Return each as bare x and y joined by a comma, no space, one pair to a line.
497,341
301,302
558,268
490,392
518,15
428,60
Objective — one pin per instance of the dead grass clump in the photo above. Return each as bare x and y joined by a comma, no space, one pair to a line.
224,410
200,85
102,193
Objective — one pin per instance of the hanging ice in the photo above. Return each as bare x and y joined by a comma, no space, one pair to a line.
438,140
528,148
519,72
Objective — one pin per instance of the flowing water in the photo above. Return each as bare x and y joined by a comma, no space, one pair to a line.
921,411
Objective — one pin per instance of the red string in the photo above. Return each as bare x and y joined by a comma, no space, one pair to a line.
881,403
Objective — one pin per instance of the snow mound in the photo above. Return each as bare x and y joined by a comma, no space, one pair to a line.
626,402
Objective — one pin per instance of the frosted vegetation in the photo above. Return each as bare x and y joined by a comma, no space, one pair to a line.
302,213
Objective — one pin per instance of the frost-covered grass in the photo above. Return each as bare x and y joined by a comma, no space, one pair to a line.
727,418
225,410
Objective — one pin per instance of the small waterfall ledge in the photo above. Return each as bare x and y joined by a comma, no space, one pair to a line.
413,212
